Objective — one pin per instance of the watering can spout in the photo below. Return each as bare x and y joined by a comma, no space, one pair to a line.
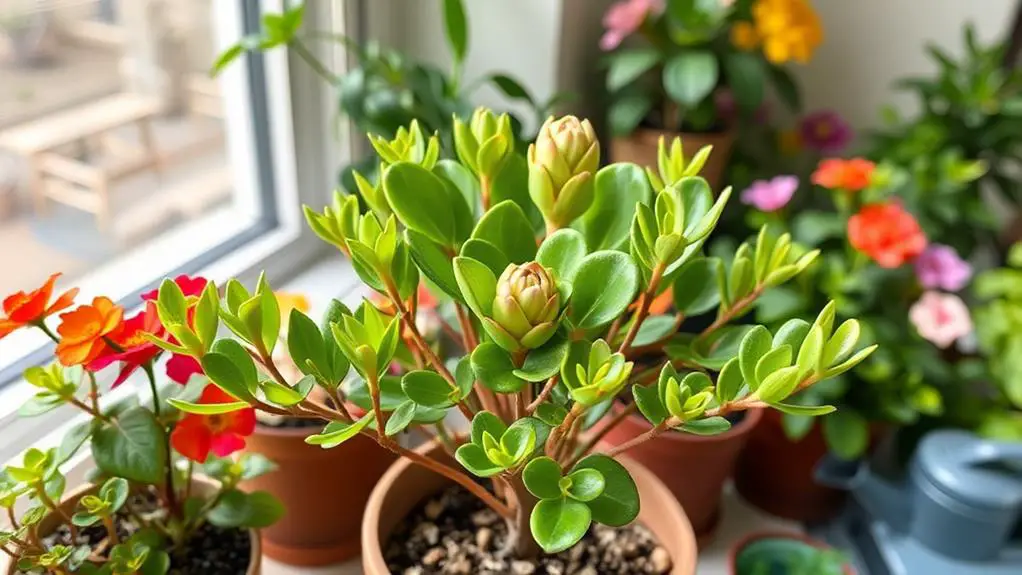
881,498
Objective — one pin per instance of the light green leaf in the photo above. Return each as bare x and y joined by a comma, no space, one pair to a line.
544,362
494,368
477,284
604,286
695,292
754,345
473,458
562,252
805,410
400,418
236,508
206,408
586,485
337,432
541,477
628,65
618,188
690,76
428,388
618,505
506,227
557,524
778,385
847,433
133,446
456,29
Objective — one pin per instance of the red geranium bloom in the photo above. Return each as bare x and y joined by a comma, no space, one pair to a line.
21,309
135,350
850,175
223,434
886,233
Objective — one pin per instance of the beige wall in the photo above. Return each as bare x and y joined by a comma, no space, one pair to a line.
868,44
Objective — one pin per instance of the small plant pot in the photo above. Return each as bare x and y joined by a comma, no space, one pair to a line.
199,485
693,467
324,492
641,148
777,553
406,484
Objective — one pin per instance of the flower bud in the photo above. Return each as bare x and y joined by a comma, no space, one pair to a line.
485,143
562,166
525,307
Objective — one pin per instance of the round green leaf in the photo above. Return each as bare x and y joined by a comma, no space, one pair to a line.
512,183
506,227
134,447
423,202
494,368
115,492
486,422
775,359
847,433
586,484
627,113
427,388
695,291
400,418
249,510
618,188
562,251
487,253
544,362
708,426
557,524
754,345
647,398
473,458
477,283
433,262
746,74
541,476
690,76
618,505
628,65
604,286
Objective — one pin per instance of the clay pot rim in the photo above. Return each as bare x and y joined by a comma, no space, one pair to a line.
372,545
70,501
744,427
652,135
777,534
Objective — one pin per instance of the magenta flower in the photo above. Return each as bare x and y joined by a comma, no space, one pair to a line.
825,132
624,18
939,267
940,318
770,195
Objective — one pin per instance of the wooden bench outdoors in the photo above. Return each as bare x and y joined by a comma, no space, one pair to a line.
57,175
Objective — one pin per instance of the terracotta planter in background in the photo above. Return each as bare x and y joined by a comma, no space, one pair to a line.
775,473
406,484
641,148
324,492
70,502
694,467
797,540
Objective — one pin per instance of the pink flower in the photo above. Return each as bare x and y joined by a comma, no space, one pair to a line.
624,18
940,267
772,195
825,131
940,318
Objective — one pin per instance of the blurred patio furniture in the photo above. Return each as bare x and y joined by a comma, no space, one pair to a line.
54,174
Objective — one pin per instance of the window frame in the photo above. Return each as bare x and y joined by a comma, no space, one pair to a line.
277,112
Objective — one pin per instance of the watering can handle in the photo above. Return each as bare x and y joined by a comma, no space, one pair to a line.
988,450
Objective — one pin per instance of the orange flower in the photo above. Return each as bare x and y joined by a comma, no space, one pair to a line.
21,309
287,301
849,175
222,434
886,233
83,330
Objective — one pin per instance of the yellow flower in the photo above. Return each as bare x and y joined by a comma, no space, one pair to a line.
744,36
789,29
288,301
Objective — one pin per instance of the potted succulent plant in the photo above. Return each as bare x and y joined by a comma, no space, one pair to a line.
696,67
786,554
165,497
540,364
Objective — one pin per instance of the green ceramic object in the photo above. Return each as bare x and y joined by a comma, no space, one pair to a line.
778,555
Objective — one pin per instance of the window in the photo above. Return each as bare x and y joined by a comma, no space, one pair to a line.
122,162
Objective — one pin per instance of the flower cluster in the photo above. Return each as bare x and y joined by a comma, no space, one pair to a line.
785,29
625,18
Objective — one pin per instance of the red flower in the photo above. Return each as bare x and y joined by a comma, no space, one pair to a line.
21,309
190,286
886,233
135,350
849,175
223,434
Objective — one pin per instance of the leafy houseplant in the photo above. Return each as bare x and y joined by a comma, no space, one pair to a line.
150,510
969,126
546,331
387,90
786,554
697,61
997,322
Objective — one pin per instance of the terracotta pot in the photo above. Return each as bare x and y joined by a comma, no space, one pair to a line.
694,467
323,491
798,539
775,473
70,502
641,148
406,484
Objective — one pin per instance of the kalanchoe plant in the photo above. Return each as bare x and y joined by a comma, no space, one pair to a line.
549,321
145,455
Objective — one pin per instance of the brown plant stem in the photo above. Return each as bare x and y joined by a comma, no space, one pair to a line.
594,440
453,474
374,393
557,433
643,438
645,300
732,312
520,542
93,392
11,517
335,395
111,530
427,352
40,490
614,329
484,189
468,331
543,395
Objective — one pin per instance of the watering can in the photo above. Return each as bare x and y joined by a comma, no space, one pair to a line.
958,511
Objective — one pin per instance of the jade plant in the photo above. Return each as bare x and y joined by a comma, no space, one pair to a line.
550,283
152,492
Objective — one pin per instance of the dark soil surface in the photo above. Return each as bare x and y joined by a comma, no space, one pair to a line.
210,550
454,533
